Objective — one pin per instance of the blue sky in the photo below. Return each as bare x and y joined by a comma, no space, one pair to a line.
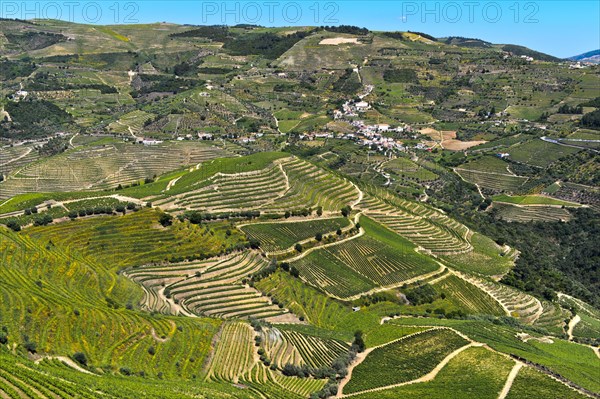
560,28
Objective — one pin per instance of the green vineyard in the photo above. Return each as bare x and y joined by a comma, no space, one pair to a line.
211,288
275,237
378,258
407,359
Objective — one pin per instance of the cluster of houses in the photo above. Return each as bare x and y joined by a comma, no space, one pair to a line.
351,109
366,135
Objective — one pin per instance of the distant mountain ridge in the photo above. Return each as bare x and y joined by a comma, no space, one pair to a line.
590,56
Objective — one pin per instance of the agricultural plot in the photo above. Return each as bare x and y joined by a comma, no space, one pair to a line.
235,360
234,354
533,384
487,257
423,226
130,124
553,318
290,347
282,185
388,332
491,173
533,200
525,214
540,153
501,182
310,186
378,258
487,164
589,324
405,168
211,288
105,166
280,236
78,305
226,192
577,363
515,303
467,296
21,378
136,239
13,158
473,373
407,359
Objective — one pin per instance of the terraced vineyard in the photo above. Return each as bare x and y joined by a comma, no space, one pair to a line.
130,124
289,347
474,372
251,212
250,190
532,213
80,305
407,359
502,182
20,378
310,187
13,158
105,166
532,383
423,226
286,184
235,360
378,258
234,354
275,237
515,303
136,239
212,288
467,296
540,153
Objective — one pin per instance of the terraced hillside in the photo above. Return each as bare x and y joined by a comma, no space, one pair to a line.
289,347
58,302
95,167
491,173
213,287
420,354
424,226
531,213
137,238
280,236
377,258
283,185
252,212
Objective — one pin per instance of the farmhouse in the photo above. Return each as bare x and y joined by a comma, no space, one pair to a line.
149,142
362,106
